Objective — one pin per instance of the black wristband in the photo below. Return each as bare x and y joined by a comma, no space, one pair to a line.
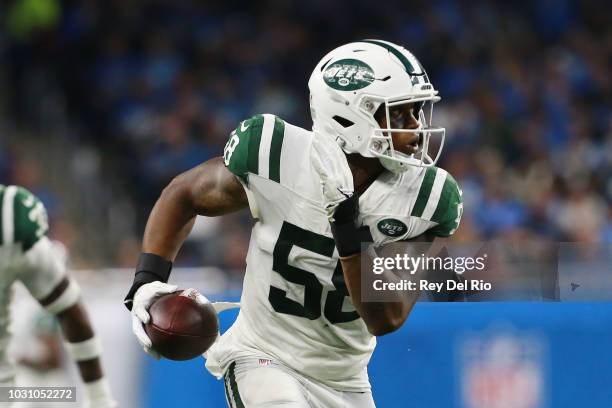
347,239
344,228
150,268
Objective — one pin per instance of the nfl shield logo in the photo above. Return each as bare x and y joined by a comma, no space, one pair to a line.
502,369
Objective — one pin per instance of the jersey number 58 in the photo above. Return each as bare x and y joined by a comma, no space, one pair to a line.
289,236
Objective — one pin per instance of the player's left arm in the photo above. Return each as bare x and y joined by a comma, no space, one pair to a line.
44,275
64,301
385,317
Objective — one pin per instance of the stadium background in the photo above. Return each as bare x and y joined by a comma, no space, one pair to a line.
103,102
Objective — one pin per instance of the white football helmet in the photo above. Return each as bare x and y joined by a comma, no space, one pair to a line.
350,84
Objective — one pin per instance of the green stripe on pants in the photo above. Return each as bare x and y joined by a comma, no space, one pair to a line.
226,387
234,386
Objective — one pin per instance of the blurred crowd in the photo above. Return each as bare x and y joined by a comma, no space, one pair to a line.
103,102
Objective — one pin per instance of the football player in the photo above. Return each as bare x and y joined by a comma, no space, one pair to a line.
29,256
303,337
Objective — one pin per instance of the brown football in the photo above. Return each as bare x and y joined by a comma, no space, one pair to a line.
181,328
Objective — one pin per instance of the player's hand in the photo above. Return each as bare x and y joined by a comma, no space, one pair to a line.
143,299
335,175
339,198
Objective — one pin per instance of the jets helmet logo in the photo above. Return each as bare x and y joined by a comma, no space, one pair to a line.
348,75
392,227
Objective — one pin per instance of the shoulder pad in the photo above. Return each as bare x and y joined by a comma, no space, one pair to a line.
255,147
23,218
439,200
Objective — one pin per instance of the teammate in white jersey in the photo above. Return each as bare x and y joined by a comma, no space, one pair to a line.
28,256
303,337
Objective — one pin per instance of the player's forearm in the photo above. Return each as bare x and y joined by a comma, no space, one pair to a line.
84,348
81,343
77,329
380,317
168,226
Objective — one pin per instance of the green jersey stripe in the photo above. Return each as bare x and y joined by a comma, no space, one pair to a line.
276,148
264,145
434,196
424,191
241,152
254,141
444,211
8,227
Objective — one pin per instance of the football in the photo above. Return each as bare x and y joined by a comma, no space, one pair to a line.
182,328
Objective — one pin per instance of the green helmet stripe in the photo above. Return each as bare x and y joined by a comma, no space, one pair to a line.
424,192
275,149
411,69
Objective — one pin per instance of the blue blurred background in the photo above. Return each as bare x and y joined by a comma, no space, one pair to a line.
481,355
103,102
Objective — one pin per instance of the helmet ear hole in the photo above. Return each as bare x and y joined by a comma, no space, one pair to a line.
344,122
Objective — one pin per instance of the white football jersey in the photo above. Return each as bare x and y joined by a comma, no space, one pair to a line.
295,306
26,255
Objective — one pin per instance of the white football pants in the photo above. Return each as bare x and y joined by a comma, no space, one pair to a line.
263,383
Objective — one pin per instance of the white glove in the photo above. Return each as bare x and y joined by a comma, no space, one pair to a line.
143,299
329,161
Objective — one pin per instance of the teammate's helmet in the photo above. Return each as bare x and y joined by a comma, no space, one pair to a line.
350,84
